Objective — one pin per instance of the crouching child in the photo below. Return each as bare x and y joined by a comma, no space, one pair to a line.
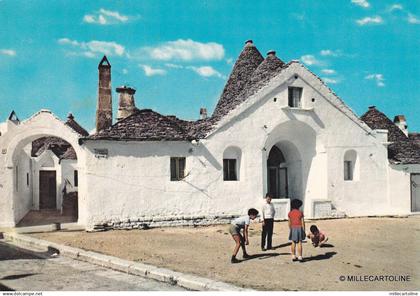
317,237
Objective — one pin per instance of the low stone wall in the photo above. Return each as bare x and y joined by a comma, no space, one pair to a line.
172,221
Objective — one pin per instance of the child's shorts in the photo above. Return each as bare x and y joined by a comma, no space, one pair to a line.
234,230
296,234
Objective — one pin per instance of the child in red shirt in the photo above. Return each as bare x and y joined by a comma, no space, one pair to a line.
297,228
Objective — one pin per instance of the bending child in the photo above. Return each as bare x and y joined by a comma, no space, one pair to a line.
235,230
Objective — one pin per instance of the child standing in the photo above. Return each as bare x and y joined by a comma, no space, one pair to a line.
297,229
268,213
317,237
235,231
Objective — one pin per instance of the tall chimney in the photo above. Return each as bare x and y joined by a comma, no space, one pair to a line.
203,113
104,108
401,122
126,105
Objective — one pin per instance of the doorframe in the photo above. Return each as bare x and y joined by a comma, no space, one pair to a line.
411,192
56,187
278,168
287,180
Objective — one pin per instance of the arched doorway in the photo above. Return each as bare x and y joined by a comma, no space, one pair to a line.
277,174
284,171
30,182
294,166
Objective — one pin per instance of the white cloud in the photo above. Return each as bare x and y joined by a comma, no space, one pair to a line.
105,17
310,60
412,19
330,80
361,3
328,71
378,78
114,14
370,20
329,52
206,71
92,48
68,41
186,50
396,6
8,52
174,66
149,71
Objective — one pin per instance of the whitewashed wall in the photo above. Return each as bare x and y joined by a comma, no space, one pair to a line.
134,181
12,143
24,201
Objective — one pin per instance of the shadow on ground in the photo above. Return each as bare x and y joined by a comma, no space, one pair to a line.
5,288
9,252
325,256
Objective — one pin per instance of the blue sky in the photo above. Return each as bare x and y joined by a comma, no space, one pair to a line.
177,54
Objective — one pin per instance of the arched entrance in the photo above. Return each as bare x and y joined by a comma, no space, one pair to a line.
277,174
30,182
284,171
294,166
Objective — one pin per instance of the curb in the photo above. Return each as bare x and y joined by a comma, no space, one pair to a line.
187,281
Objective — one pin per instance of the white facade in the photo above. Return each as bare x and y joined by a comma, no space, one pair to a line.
132,182
19,173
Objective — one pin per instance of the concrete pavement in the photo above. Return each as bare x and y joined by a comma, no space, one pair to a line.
25,270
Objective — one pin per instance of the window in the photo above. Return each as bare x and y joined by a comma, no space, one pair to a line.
177,168
76,178
295,95
351,166
348,170
229,170
27,179
231,163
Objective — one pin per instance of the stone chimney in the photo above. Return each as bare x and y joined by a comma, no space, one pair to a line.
126,104
203,113
400,121
249,43
104,108
271,53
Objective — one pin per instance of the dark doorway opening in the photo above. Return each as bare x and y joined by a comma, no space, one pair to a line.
277,174
47,190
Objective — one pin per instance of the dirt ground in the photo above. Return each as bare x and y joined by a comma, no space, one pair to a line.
356,247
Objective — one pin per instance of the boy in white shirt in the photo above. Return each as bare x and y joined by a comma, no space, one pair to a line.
268,213
235,230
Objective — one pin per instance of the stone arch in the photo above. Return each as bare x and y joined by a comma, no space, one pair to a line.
304,158
18,136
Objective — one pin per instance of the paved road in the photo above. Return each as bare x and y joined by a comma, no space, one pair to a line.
24,270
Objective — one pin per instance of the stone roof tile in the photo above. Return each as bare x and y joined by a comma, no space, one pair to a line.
248,61
148,125
402,149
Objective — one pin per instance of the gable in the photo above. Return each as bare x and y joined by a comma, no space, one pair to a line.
285,78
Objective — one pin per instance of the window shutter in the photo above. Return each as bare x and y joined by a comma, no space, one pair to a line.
173,169
181,168
232,169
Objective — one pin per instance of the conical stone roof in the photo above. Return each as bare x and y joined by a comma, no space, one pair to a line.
247,62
